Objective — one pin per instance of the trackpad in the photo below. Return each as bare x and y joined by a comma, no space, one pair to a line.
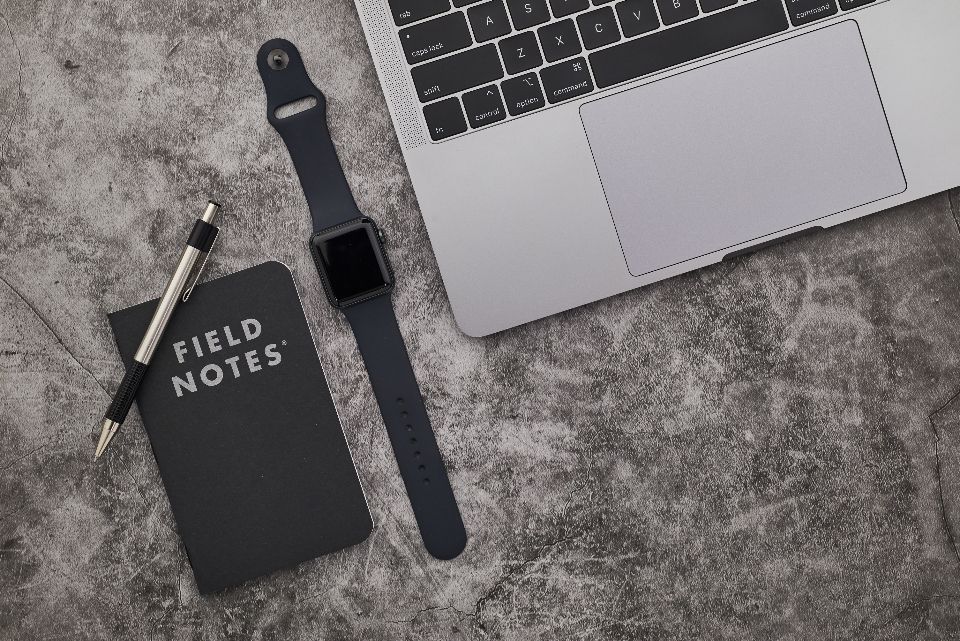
743,148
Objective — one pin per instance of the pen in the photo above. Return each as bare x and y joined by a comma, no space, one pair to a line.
178,289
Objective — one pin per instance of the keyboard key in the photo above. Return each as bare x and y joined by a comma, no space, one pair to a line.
522,94
484,106
847,5
598,28
489,20
435,37
463,3
716,5
407,11
708,35
563,8
527,13
520,52
637,16
455,73
445,119
673,11
559,40
806,11
566,80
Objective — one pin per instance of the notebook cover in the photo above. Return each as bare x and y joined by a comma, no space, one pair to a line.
246,436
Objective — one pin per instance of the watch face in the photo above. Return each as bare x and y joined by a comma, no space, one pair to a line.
351,261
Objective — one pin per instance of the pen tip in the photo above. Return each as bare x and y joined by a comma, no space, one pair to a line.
106,435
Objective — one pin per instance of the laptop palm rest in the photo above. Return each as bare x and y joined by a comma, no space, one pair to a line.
744,148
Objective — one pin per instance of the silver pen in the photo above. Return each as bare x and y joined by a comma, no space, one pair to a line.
178,289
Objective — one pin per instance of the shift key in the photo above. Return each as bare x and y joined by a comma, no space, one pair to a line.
456,73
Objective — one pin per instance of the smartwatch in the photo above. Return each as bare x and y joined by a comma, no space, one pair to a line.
347,248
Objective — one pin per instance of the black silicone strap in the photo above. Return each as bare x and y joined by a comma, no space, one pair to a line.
418,457
373,321
306,136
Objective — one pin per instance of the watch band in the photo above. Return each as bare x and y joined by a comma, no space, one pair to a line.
306,135
373,321
414,444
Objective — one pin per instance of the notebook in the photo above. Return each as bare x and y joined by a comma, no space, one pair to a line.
244,431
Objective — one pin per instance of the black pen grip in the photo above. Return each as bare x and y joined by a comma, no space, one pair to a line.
123,399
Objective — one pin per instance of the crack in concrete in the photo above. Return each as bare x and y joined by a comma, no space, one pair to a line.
948,528
13,116
50,329
953,197
433,608
922,604
505,578
7,465
543,551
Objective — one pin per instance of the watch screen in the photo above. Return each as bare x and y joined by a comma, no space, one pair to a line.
350,262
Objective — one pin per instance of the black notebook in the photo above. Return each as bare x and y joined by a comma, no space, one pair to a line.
246,436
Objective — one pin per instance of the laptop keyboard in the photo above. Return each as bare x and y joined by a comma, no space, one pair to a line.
478,62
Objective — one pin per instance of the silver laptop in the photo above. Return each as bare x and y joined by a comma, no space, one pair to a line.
563,151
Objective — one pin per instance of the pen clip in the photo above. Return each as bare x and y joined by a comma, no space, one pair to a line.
199,271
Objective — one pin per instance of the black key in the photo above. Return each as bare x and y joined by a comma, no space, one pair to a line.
559,40
806,11
566,7
445,119
457,72
489,20
463,3
710,34
407,11
637,16
522,94
484,106
527,13
566,80
847,5
598,28
520,52
716,5
435,37
673,11
599,2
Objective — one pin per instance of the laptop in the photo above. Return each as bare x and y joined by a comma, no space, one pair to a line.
564,151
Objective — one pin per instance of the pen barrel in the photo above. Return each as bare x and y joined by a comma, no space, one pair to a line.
123,399
168,303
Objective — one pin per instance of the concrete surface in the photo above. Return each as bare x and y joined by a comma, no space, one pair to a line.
768,449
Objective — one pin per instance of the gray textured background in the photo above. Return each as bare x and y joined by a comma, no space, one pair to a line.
766,449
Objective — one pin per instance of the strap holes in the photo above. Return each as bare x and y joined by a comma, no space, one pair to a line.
400,401
409,427
404,415
413,440
426,481
422,468
295,107
416,454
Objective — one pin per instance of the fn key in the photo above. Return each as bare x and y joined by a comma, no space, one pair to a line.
445,118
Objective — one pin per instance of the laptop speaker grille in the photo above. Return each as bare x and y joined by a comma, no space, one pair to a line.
392,68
